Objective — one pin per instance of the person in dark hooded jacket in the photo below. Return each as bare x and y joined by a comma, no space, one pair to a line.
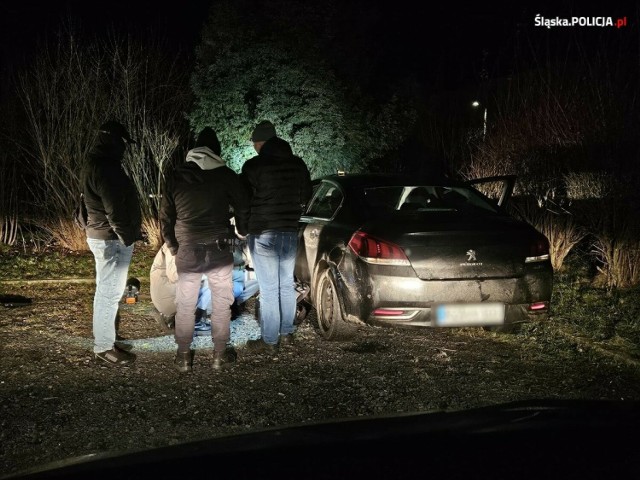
194,216
280,186
113,225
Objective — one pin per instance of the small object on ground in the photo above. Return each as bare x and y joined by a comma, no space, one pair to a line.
131,291
9,300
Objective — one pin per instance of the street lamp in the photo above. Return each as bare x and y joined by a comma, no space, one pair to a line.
476,104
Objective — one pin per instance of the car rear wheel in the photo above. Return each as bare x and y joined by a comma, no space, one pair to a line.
330,322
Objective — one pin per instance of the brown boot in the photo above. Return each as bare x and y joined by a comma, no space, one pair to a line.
225,357
184,361
259,346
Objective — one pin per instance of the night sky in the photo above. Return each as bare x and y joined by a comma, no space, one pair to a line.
446,47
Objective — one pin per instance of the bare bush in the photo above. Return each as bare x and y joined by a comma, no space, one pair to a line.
613,224
9,224
151,227
585,185
70,90
66,234
557,224
149,175
620,262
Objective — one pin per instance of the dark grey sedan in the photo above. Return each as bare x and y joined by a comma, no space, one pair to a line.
403,251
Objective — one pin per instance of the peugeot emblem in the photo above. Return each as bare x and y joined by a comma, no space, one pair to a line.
471,255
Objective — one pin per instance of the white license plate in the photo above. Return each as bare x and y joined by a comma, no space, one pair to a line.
468,314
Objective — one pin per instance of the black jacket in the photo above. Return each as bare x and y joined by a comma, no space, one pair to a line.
280,185
112,203
195,206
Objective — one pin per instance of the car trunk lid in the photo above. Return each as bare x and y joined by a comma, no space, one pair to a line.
450,245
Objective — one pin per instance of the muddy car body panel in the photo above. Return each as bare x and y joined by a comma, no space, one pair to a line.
407,251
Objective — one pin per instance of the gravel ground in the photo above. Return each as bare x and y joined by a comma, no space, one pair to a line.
56,402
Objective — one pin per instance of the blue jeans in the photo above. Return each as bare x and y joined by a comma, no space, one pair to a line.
112,266
249,289
274,257
242,291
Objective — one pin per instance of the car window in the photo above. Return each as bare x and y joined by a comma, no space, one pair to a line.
326,201
423,198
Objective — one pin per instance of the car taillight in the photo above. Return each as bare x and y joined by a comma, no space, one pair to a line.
538,250
538,306
374,250
395,313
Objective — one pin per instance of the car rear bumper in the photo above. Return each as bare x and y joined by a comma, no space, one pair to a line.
408,300
423,317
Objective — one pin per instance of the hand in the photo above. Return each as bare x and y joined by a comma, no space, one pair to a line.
241,237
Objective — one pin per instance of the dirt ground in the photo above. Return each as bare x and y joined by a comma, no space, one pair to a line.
56,402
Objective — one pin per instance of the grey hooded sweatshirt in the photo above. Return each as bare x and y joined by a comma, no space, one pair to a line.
199,200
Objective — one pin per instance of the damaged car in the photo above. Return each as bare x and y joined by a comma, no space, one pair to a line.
406,251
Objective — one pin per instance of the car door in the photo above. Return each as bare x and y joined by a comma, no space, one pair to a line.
498,188
324,204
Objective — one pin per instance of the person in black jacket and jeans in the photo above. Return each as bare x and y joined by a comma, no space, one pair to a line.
194,218
280,186
113,225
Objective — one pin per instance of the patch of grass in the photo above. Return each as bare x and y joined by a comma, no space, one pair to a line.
596,312
585,310
15,264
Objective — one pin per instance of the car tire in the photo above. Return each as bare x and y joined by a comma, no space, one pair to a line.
302,310
330,321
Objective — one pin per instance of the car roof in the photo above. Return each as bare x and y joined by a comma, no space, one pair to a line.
362,180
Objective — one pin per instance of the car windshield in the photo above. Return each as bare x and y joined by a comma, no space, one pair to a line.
420,198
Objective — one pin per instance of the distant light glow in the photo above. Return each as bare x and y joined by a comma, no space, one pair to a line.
475,103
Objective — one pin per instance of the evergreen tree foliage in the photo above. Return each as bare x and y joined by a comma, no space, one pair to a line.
255,64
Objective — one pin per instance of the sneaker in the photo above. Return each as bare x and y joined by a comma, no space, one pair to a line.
116,357
202,328
184,361
259,346
286,339
227,356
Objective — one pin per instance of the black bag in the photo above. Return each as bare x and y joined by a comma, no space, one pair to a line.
80,215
